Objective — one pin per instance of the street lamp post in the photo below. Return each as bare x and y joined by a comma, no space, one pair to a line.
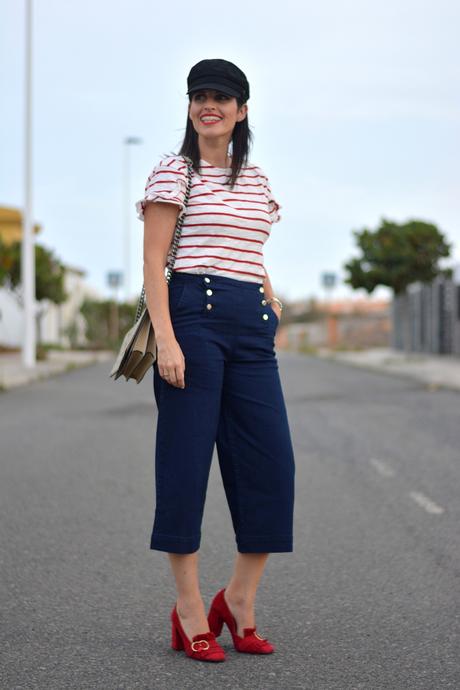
128,141
28,244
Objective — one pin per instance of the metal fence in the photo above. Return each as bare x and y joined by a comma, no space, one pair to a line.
426,317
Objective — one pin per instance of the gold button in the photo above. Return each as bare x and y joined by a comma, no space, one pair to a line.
261,289
264,302
207,280
209,306
209,292
265,316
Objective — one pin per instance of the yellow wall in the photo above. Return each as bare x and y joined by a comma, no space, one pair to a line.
11,225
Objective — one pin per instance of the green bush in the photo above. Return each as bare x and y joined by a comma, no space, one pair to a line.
101,322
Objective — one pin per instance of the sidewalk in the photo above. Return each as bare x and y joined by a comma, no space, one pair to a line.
13,373
434,370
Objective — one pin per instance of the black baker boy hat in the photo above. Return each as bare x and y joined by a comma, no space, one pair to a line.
218,74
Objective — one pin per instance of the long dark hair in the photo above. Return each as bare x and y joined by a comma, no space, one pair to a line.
242,138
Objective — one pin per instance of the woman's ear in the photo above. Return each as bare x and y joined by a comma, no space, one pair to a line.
243,111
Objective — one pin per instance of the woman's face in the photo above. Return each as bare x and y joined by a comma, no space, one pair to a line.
215,114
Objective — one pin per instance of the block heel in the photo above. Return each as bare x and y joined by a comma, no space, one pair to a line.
215,621
176,639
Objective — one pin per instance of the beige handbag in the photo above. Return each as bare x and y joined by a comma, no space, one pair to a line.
138,349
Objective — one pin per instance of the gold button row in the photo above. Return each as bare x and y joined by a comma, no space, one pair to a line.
209,292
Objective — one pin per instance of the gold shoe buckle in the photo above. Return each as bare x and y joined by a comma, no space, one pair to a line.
200,642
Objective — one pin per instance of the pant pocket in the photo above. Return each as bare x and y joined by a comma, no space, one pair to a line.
176,296
275,316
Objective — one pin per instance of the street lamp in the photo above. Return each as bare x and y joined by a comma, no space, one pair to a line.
128,141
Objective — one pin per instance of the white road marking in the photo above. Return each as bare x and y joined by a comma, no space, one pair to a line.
382,468
426,503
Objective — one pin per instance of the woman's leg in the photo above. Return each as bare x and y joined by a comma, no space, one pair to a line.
240,593
190,606
254,448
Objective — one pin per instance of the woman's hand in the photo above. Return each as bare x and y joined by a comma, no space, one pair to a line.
171,362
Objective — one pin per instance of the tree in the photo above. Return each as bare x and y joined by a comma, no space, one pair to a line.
49,275
98,315
397,255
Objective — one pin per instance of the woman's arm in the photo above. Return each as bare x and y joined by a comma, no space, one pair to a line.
159,224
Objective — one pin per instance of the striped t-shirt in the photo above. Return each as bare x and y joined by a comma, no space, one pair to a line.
224,229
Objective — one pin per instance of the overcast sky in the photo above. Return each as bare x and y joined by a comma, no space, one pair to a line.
354,108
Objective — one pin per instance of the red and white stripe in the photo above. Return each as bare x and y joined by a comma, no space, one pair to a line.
224,229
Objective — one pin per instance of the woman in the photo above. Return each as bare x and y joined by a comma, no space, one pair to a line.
216,377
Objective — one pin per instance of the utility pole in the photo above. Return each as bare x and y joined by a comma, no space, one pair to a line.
28,242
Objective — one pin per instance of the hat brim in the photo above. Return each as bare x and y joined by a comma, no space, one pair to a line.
214,85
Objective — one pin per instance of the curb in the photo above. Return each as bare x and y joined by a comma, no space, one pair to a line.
13,374
397,367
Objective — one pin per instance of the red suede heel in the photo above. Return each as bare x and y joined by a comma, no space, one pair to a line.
203,646
251,643
216,623
176,639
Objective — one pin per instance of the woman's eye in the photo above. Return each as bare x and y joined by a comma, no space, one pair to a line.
220,96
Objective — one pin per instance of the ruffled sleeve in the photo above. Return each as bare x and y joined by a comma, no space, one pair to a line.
272,205
167,182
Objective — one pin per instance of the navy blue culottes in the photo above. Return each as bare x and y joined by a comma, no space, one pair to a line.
232,399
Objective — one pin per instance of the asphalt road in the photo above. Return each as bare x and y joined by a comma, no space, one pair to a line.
369,598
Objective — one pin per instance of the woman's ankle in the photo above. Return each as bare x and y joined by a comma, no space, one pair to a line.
240,598
189,605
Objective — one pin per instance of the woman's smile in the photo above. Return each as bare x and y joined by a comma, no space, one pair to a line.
210,119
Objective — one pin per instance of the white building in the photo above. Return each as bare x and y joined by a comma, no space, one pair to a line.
56,319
